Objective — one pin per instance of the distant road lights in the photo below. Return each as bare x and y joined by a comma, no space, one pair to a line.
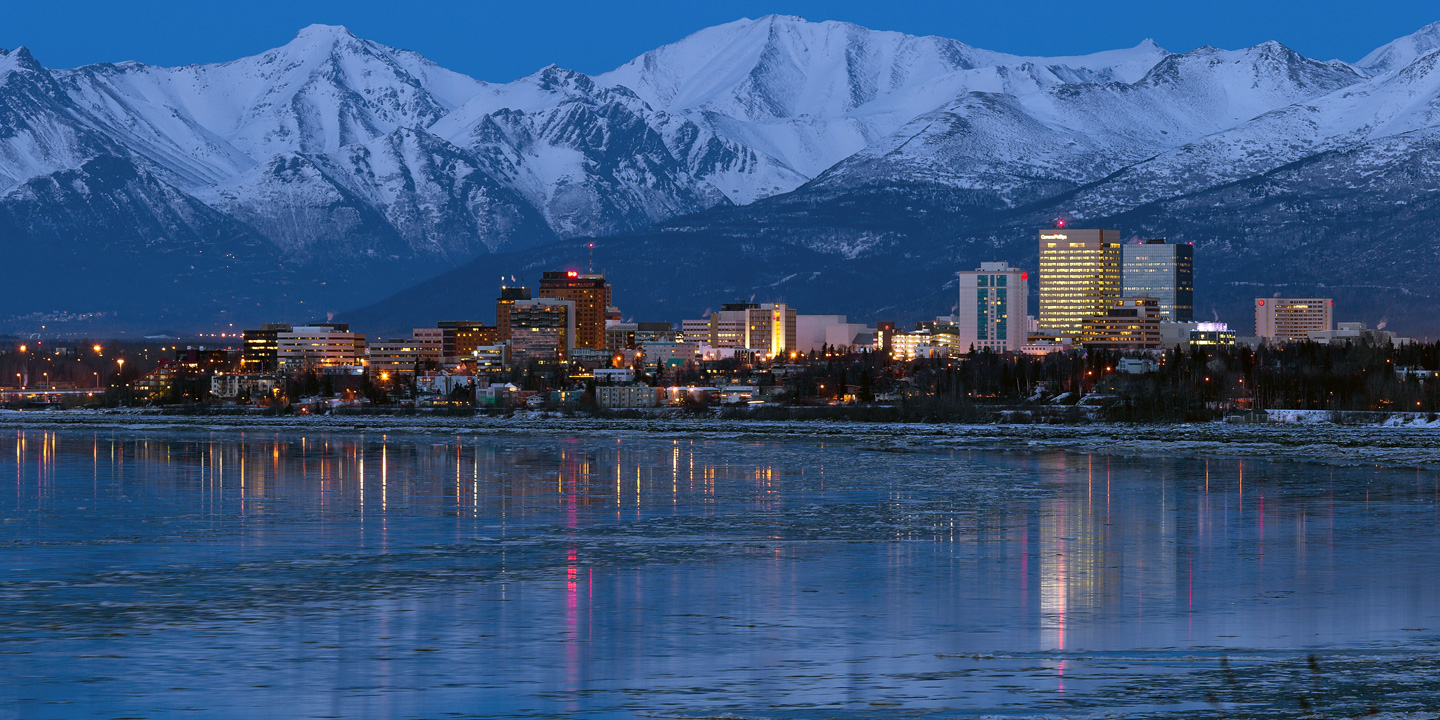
96,348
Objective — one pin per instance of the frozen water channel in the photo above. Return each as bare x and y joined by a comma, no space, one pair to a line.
292,573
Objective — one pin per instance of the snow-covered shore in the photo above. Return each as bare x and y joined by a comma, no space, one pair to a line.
1308,437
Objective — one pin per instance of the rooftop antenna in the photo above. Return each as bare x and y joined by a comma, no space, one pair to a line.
591,271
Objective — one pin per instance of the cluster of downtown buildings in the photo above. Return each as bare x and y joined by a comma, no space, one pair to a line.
1094,291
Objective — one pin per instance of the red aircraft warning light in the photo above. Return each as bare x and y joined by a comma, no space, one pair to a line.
572,274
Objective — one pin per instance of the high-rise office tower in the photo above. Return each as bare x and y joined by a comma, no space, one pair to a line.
1164,271
591,295
1079,277
542,329
994,301
503,306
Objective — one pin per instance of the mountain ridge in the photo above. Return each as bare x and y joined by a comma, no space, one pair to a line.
359,168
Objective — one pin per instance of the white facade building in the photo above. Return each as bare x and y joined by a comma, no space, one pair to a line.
994,303
318,346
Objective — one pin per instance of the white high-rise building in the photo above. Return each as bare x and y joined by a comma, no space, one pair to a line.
994,301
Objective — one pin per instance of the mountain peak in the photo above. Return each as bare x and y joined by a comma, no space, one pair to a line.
18,59
776,18
320,31
1401,51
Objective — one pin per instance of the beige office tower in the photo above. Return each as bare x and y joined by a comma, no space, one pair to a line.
1079,278
1286,319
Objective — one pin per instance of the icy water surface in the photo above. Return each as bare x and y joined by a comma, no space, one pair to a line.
289,574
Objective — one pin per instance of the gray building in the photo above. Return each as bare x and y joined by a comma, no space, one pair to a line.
1164,271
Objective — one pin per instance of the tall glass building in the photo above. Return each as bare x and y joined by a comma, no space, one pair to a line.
1079,278
1164,271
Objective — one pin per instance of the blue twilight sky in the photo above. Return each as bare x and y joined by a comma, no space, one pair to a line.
501,40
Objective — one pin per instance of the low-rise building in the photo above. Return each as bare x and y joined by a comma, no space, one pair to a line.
1212,334
498,396
769,328
232,386
260,352
1356,332
458,338
920,344
664,352
310,347
443,383
1130,324
628,396
491,359
1288,319
614,376
399,357
1136,366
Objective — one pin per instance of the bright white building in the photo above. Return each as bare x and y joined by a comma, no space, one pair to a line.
994,303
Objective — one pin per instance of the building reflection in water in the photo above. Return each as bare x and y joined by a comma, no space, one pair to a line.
745,554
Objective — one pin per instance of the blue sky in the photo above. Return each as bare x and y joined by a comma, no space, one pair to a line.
504,39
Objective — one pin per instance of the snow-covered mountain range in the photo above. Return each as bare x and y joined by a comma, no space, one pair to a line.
332,171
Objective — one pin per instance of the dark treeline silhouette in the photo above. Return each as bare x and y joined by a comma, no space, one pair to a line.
1177,385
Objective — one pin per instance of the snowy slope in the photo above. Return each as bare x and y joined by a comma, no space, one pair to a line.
1393,105
808,95
39,131
1400,52
1024,148
345,156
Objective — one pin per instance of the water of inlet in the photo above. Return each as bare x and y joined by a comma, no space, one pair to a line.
163,574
